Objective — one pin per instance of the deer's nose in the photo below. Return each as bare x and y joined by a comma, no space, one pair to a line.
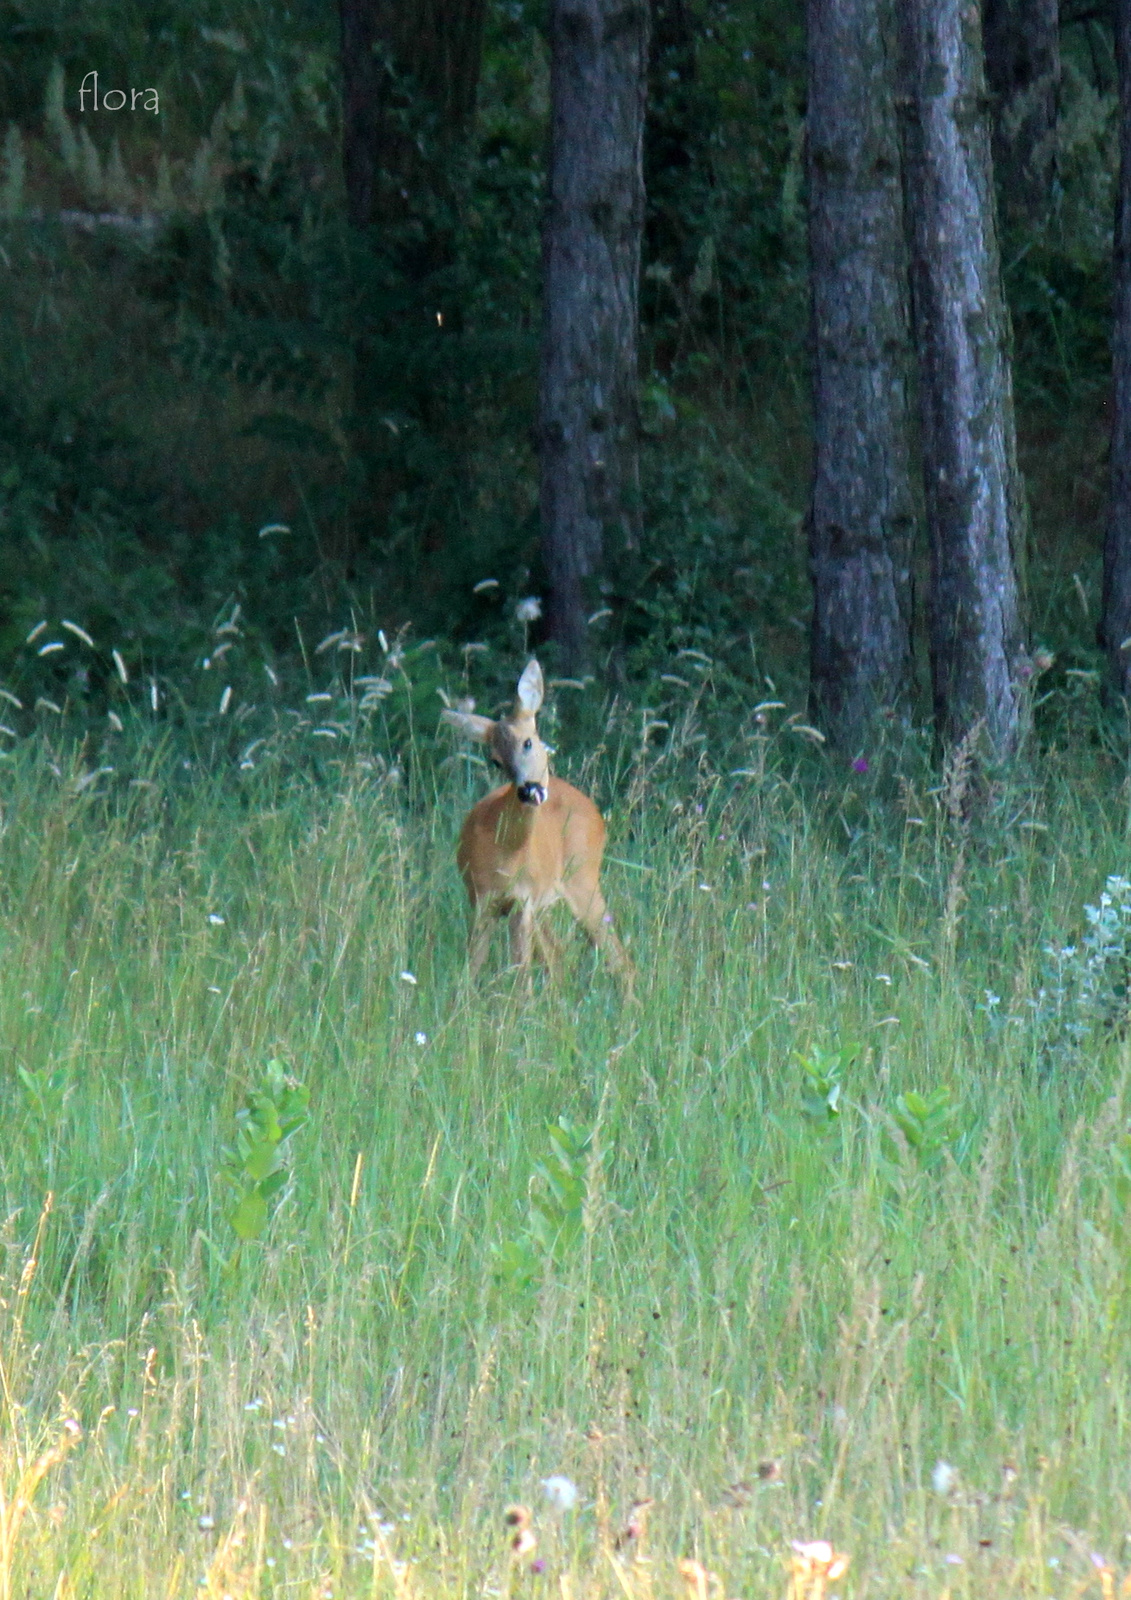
531,794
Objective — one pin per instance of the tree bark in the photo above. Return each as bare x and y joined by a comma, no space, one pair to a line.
1115,619
974,496
1022,44
862,509
588,405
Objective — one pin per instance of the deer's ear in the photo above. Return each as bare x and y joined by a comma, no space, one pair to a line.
530,690
472,727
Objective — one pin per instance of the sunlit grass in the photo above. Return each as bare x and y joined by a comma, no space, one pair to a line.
773,1328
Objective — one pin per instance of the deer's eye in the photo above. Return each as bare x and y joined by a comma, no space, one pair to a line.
528,744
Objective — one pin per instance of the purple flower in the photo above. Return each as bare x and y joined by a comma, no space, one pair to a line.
860,764
538,1566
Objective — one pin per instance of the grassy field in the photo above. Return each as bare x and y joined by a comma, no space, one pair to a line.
777,1309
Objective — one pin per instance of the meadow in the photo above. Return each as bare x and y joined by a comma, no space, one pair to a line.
826,1238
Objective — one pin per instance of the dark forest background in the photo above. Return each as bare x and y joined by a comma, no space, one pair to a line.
216,392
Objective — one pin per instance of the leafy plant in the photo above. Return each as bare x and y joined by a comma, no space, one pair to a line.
927,1124
46,1092
1086,985
253,1167
821,1081
559,1194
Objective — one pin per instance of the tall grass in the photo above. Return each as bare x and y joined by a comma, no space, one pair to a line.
773,1325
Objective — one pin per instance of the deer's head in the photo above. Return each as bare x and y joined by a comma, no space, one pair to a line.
512,742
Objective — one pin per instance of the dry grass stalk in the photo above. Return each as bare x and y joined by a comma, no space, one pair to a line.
13,1511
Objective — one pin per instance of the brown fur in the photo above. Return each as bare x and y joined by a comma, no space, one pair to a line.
518,858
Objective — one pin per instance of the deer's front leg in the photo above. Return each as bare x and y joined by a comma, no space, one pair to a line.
549,947
479,941
522,936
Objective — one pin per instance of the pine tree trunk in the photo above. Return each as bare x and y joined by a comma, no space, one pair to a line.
974,496
1022,41
1115,621
862,511
588,406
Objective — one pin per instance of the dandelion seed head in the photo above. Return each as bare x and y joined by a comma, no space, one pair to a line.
560,1491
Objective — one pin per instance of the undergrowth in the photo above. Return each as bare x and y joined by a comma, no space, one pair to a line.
314,1261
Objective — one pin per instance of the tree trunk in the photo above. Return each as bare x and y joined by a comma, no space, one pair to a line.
1022,40
588,406
1115,620
974,496
862,511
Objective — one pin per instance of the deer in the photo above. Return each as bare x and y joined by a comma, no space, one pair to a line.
531,842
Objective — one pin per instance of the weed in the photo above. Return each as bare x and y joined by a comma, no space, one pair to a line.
253,1166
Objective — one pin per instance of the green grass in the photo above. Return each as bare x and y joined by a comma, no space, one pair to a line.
350,1407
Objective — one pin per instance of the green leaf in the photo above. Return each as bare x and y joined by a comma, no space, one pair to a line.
270,1185
250,1217
261,1161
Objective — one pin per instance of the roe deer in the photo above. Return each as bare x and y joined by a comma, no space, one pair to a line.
530,843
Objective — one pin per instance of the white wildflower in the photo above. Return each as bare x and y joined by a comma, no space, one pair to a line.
561,1492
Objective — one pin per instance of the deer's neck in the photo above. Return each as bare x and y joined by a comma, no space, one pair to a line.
517,822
